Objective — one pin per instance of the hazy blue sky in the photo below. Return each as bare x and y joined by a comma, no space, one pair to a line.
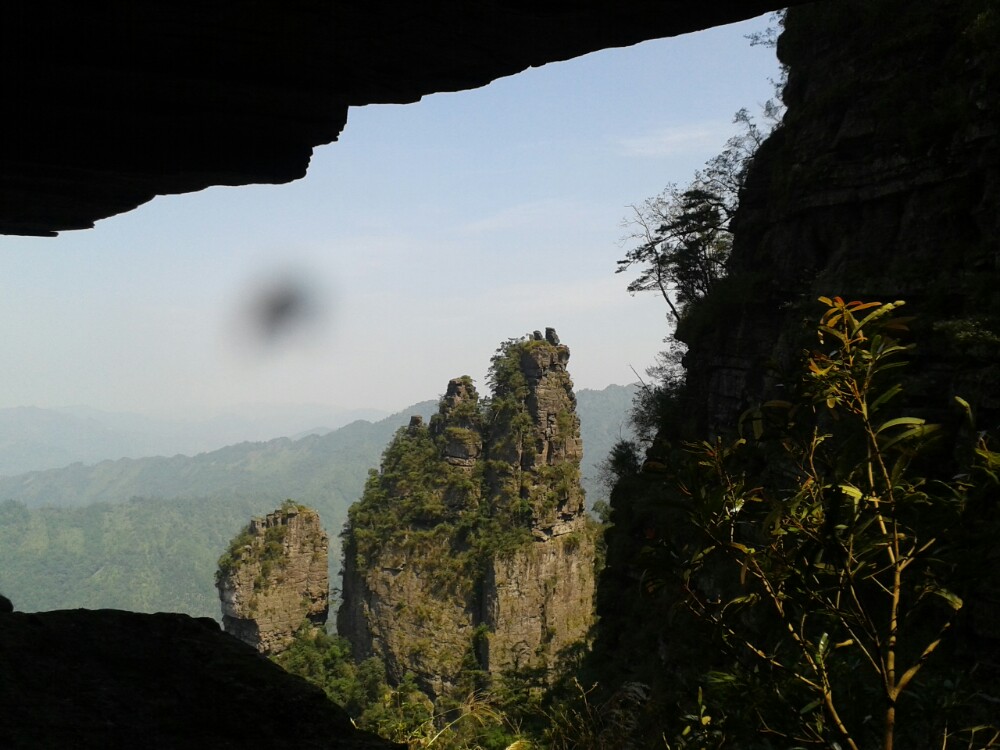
425,236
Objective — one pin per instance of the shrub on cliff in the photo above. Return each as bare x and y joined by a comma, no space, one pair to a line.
683,237
401,713
418,492
808,574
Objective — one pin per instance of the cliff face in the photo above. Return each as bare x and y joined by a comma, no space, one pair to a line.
881,183
538,601
471,549
274,578
534,443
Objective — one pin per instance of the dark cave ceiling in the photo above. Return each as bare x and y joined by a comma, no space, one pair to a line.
109,104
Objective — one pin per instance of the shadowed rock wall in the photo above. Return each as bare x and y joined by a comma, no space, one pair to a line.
882,183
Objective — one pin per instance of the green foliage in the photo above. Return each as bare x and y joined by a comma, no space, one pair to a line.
402,714
270,553
326,661
812,569
684,236
234,553
267,551
505,378
407,494
143,555
416,490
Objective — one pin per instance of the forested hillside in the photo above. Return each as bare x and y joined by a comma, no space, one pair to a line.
332,464
145,534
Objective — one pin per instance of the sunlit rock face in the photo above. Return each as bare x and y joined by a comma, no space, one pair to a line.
113,104
472,545
275,578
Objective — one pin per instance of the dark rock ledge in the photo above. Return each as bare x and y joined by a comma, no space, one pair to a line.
110,679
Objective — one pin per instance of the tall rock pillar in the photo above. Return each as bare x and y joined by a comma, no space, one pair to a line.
274,578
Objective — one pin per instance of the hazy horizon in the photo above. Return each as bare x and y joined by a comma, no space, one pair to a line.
429,234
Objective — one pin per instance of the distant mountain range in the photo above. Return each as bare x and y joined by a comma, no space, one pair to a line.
33,439
145,533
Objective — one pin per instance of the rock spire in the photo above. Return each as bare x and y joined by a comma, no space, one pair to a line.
471,547
274,578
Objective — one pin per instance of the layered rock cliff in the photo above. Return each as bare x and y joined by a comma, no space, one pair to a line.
470,550
881,183
274,578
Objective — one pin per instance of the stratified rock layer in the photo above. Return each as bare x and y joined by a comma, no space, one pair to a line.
472,547
274,578
538,601
881,184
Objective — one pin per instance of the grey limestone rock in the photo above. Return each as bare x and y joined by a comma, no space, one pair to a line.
277,579
515,608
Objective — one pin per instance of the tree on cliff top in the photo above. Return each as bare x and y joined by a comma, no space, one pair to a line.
684,236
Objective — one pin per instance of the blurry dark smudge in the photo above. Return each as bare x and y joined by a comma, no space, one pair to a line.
283,307
280,309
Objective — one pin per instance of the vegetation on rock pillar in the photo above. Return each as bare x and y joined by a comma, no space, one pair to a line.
469,557
273,578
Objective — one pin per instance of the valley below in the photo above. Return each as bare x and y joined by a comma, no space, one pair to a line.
144,534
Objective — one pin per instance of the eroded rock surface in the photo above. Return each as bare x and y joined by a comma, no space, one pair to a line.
471,548
274,578
881,184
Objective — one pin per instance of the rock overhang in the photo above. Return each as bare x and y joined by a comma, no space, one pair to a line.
109,105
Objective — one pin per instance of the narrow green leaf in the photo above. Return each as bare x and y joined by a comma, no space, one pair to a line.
918,431
850,490
810,707
882,367
966,407
878,313
911,421
885,397
954,600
